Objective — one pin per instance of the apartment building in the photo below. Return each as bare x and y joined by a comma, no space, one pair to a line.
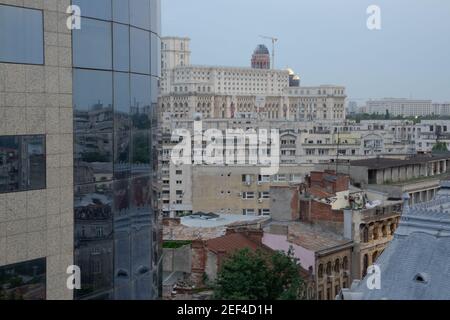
418,176
76,108
400,107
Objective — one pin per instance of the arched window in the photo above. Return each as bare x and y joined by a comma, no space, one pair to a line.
320,271
384,231
392,228
375,233
337,266
345,263
365,234
374,257
365,265
329,268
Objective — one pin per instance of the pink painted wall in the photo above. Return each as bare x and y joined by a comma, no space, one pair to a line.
279,242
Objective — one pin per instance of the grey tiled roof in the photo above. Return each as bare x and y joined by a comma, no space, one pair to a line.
416,264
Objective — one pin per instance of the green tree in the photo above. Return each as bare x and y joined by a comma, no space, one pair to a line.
249,275
440,147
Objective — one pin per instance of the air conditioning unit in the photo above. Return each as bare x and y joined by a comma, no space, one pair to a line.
248,183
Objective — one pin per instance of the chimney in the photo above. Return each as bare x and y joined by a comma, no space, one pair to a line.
348,223
255,235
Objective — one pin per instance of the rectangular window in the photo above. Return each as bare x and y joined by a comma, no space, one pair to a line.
22,163
21,35
140,13
94,37
264,195
100,9
23,281
248,195
249,212
93,101
139,51
121,47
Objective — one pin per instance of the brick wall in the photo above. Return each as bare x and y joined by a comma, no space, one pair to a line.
311,210
317,179
198,261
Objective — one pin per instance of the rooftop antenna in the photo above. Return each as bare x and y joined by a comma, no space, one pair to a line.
274,41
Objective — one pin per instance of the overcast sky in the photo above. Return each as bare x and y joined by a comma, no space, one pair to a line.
327,41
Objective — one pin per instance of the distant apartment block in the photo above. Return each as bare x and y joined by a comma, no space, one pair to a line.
406,107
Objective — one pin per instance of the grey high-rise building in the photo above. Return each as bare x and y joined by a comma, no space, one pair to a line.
77,100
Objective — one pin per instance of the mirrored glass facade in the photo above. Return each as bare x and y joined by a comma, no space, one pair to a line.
116,72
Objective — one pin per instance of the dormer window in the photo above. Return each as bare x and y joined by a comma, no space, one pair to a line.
421,278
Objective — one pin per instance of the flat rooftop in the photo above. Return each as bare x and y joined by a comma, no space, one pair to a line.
384,163
313,238
195,221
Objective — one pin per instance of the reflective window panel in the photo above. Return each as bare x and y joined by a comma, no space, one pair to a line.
22,163
93,157
94,247
92,44
140,14
140,50
100,9
23,281
93,101
121,44
21,35
121,11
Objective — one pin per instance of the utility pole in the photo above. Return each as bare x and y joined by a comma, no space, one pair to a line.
274,41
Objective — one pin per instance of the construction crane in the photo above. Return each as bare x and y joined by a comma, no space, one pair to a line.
274,41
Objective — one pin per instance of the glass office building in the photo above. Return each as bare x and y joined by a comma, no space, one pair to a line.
77,108
116,71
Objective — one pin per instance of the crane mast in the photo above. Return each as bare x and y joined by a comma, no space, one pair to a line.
274,41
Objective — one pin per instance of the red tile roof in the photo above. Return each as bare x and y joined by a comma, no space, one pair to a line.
230,243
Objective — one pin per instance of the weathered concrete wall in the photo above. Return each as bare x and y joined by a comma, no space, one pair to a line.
178,260
211,267
284,204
